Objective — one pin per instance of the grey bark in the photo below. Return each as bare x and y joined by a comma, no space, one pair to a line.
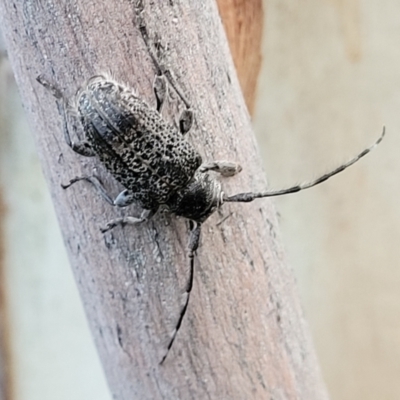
244,336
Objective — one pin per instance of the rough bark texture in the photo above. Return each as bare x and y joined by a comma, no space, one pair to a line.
244,335
243,23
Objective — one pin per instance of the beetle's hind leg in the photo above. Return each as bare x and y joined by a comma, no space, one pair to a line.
55,91
81,147
186,121
164,75
225,168
160,87
160,67
124,199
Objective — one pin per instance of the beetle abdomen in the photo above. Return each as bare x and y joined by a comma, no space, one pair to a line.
149,156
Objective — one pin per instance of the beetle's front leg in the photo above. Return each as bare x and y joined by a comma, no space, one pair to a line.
225,168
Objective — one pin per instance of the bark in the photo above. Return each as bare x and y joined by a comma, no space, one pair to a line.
244,336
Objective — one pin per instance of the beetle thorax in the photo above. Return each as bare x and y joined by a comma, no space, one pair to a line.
198,200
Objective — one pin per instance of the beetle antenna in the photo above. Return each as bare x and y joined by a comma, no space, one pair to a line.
193,245
250,196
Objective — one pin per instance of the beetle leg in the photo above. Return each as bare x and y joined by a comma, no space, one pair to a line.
123,199
160,86
185,121
144,216
96,183
81,147
161,69
160,90
225,168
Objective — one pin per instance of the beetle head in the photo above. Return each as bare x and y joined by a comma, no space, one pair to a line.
198,199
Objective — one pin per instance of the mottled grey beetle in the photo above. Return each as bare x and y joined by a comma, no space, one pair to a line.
152,159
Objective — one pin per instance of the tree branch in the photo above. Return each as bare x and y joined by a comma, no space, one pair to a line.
244,335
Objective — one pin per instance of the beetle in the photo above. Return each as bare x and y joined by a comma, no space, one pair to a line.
152,159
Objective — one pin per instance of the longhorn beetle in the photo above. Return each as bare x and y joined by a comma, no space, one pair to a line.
152,159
